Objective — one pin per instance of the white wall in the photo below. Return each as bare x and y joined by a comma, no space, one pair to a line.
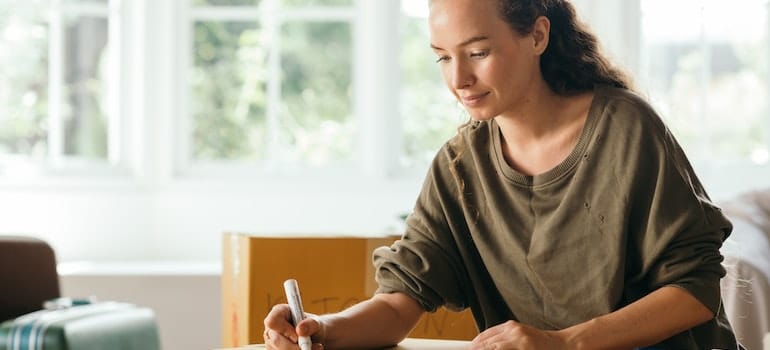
185,221
184,297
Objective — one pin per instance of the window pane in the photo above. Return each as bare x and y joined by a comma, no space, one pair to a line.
23,81
429,114
316,118
228,91
708,74
85,87
226,2
317,2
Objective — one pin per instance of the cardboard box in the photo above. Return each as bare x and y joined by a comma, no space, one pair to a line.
333,273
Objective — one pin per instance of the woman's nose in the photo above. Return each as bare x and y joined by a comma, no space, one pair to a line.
462,76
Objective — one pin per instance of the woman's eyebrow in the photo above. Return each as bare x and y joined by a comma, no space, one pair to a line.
466,42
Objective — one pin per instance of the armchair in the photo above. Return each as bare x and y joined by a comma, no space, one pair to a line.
29,281
28,275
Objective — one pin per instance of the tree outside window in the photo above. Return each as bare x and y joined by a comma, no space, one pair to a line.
53,101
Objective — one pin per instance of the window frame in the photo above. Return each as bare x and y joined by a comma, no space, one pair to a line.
57,167
367,142
148,142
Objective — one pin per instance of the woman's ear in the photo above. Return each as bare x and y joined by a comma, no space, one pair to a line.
541,33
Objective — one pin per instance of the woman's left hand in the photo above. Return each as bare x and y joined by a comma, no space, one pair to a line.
513,335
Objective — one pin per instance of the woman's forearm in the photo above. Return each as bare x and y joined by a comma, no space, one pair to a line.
383,320
656,317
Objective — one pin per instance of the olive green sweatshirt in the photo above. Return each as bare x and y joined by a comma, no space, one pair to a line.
622,216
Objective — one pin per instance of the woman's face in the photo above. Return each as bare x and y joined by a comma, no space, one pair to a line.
488,66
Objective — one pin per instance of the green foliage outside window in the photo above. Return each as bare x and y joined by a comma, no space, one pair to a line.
84,109
316,116
228,90
25,117
317,2
227,2
283,2
230,99
709,83
23,89
430,115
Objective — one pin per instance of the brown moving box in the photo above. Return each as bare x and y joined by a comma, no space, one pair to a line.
333,273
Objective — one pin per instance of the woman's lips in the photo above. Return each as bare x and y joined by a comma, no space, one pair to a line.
473,100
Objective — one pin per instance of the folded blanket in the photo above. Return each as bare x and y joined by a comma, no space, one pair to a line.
746,288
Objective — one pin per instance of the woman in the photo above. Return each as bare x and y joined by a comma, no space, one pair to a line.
565,215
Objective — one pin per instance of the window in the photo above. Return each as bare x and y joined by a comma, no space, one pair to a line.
707,73
184,95
271,83
283,86
57,104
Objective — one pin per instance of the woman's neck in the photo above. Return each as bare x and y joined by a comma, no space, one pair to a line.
539,114
544,131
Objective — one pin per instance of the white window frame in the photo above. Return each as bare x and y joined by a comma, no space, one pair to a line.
56,167
374,90
149,120
112,13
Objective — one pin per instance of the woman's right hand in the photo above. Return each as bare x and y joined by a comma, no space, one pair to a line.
281,334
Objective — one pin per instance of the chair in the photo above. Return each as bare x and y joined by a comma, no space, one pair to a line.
29,279
28,275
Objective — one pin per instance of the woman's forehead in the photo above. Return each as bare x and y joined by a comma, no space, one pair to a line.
457,20
462,12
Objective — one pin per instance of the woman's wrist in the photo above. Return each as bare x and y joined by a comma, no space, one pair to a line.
578,337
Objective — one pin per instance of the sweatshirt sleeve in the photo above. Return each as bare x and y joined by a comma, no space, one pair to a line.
425,262
676,230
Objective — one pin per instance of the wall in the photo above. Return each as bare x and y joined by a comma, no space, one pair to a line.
184,221
184,296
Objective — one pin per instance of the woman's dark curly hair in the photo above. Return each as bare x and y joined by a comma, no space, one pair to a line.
572,62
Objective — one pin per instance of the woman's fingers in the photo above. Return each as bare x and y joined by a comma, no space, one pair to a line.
279,320
281,334
276,341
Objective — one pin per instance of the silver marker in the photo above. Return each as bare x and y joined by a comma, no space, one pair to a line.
297,314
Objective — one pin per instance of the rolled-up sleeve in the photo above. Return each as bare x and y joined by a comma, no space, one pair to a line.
680,231
425,262
692,261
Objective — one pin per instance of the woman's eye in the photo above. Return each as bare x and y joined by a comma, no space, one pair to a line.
479,54
442,59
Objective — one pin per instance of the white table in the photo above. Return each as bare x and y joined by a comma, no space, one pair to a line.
407,344
425,344
767,341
